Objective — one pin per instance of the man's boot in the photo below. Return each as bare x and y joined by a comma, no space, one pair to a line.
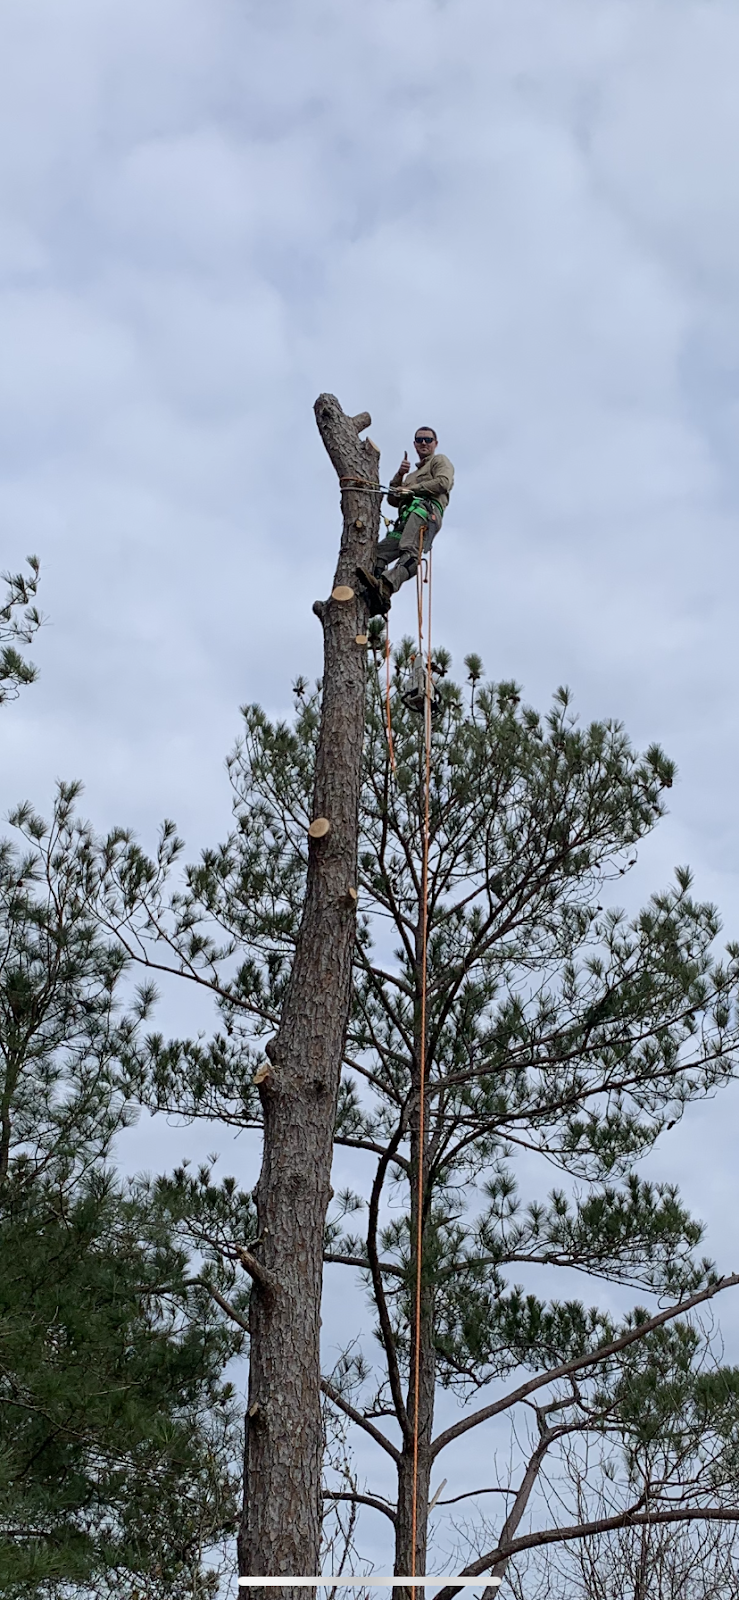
377,592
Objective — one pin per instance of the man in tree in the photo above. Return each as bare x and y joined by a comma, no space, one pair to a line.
421,497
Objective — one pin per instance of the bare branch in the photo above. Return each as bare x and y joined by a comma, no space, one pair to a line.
585,1530
351,1412
361,1500
356,1261
224,1304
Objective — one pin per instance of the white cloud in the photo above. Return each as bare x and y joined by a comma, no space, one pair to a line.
516,222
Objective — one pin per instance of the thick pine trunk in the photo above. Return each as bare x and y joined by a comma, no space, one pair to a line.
281,1526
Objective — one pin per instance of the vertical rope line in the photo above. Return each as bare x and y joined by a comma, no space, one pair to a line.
419,589
422,1046
388,713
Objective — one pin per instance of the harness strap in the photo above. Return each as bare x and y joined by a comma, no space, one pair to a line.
419,503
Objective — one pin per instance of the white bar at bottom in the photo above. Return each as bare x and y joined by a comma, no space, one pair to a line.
369,1582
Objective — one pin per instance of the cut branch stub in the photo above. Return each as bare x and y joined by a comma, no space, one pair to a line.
319,827
342,592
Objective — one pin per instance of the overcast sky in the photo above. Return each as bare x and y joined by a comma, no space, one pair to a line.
515,220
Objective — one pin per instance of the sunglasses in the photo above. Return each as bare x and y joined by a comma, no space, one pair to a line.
425,438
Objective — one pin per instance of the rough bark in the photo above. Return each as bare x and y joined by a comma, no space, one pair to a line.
281,1524
422,1338
404,1561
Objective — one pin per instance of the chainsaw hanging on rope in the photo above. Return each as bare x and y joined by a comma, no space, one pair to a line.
420,688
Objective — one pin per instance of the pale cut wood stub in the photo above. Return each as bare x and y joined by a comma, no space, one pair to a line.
281,1526
262,1073
319,827
360,638
342,592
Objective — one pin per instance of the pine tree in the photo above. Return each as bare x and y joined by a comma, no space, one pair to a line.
116,1428
557,1026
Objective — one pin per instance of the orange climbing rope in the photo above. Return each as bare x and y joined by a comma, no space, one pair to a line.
388,713
422,1045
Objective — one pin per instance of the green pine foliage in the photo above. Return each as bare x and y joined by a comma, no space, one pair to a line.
116,1426
564,1034
19,621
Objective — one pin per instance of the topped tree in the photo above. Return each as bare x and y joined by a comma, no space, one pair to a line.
281,1529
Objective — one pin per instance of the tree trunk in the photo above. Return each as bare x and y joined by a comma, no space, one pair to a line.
281,1526
640,1585
407,1561
404,1563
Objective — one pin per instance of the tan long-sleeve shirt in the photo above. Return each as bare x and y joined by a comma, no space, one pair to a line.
434,477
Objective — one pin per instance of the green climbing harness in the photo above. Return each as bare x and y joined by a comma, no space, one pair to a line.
418,504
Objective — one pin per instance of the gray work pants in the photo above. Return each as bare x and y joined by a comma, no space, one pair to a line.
405,550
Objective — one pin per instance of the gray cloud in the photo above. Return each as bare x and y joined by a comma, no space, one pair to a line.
516,222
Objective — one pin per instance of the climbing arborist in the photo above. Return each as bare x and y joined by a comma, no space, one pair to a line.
421,497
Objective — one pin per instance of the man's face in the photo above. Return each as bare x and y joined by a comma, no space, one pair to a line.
425,443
